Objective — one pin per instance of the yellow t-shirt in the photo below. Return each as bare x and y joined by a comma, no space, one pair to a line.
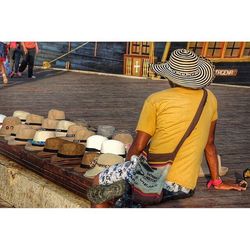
166,116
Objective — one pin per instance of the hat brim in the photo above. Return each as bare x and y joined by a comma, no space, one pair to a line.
31,147
197,80
13,142
65,161
67,138
91,173
9,137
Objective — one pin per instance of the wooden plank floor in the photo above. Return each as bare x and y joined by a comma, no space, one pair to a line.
117,101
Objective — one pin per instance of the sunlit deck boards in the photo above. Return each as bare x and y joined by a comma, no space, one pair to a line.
117,101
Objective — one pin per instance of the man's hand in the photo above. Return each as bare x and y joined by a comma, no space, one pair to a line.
224,186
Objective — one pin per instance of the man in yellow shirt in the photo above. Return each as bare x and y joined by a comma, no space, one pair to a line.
164,119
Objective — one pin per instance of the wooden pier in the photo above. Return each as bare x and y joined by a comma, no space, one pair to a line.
117,101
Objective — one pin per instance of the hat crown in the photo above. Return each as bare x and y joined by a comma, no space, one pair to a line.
54,143
71,148
83,134
42,136
2,117
19,127
95,141
64,124
72,130
113,147
49,123
125,138
56,114
26,133
105,130
109,159
32,118
21,114
89,157
182,60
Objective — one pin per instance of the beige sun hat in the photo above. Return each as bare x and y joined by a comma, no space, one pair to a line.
38,142
204,170
23,136
72,130
56,114
15,131
82,135
8,125
49,124
62,128
34,121
125,137
22,115
1,119
113,147
94,142
102,162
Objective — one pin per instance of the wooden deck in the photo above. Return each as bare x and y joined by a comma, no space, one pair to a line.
117,101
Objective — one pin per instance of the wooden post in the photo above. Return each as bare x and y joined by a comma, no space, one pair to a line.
95,49
67,64
166,51
151,74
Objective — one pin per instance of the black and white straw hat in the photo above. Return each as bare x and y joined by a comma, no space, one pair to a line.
186,69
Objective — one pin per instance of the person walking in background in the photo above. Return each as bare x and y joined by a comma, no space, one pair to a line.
30,50
14,55
3,54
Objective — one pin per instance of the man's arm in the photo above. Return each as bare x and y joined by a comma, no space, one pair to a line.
211,157
139,143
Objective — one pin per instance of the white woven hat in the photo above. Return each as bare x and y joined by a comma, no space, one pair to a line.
38,142
103,161
22,115
1,119
186,69
94,142
113,147
62,128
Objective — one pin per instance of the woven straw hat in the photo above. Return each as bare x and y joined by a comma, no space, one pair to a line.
62,128
113,147
69,151
22,115
102,162
186,69
94,142
1,119
8,125
51,146
88,158
82,135
15,131
124,137
23,136
34,121
72,130
81,122
49,124
56,114
106,131
38,142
